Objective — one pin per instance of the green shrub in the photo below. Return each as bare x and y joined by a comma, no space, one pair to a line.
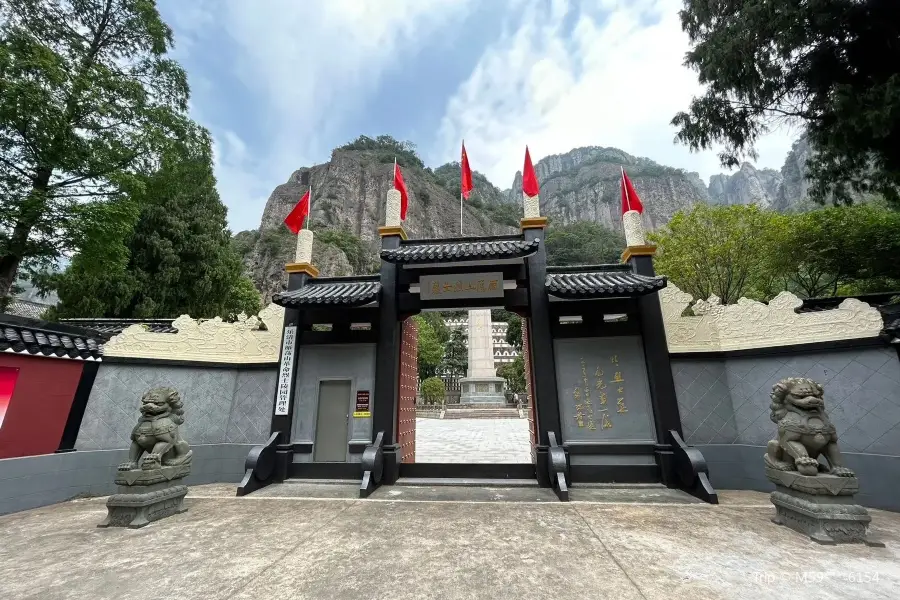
433,390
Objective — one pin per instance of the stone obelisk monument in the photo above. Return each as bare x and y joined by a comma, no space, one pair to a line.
481,385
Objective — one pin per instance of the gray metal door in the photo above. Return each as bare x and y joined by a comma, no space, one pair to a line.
332,421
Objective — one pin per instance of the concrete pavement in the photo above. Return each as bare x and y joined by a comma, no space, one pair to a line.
320,543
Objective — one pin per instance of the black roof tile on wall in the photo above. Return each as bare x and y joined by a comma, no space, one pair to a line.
40,338
462,249
601,281
111,327
341,291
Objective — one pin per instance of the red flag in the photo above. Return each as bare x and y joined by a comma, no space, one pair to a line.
466,183
400,186
529,179
630,199
294,220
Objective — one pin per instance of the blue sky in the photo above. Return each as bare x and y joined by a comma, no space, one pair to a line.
280,83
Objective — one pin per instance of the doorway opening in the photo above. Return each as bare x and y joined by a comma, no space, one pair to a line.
472,402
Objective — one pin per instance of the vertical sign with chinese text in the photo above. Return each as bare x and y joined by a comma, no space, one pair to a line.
603,390
286,371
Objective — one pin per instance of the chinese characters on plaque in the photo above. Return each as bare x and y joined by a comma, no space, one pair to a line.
286,372
468,285
609,382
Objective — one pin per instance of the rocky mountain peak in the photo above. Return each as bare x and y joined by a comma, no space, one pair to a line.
580,185
748,185
584,185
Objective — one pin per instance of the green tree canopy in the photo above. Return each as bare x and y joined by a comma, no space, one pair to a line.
828,65
513,326
514,333
430,350
726,251
583,243
745,251
514,374
88,97
456,354
842,250
177,259
389,149
436,320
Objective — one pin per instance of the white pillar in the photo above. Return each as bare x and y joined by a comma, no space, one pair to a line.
392,209
532,206
634,229
304,247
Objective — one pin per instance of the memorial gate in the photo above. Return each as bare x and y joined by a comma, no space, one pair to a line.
603,405
623,387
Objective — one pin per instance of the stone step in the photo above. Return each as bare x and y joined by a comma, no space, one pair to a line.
473,482
481,413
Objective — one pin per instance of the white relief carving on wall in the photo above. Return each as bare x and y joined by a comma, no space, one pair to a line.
209,341
751,324
745,325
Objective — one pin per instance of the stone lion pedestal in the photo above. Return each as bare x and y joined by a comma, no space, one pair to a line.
152,490
810,496
146,496
820,506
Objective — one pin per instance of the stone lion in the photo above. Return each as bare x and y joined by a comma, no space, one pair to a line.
157,432
804,430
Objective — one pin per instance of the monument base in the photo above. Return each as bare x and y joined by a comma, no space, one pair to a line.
137,505
482,391
820,506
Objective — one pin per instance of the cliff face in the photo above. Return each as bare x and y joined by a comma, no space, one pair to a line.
584,185
581,185
784,190
349,196
748,186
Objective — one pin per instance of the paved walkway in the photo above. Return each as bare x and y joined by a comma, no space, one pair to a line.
331,547
472,441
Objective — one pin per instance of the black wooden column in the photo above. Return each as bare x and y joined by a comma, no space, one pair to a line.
659,367
298,275
387,360
540,347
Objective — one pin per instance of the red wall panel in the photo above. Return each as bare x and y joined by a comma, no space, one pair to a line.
409,377
39,405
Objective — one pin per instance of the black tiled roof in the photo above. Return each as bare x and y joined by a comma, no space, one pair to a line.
461,249
602,281
40,338
111,327
25,308
344,291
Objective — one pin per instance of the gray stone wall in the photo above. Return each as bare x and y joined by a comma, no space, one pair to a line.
34,481
724,406
222,406
355,362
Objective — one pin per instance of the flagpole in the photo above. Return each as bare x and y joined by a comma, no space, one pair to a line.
309,212
625,187
460,212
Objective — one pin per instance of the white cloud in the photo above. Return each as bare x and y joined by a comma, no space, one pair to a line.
310,65
616,80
